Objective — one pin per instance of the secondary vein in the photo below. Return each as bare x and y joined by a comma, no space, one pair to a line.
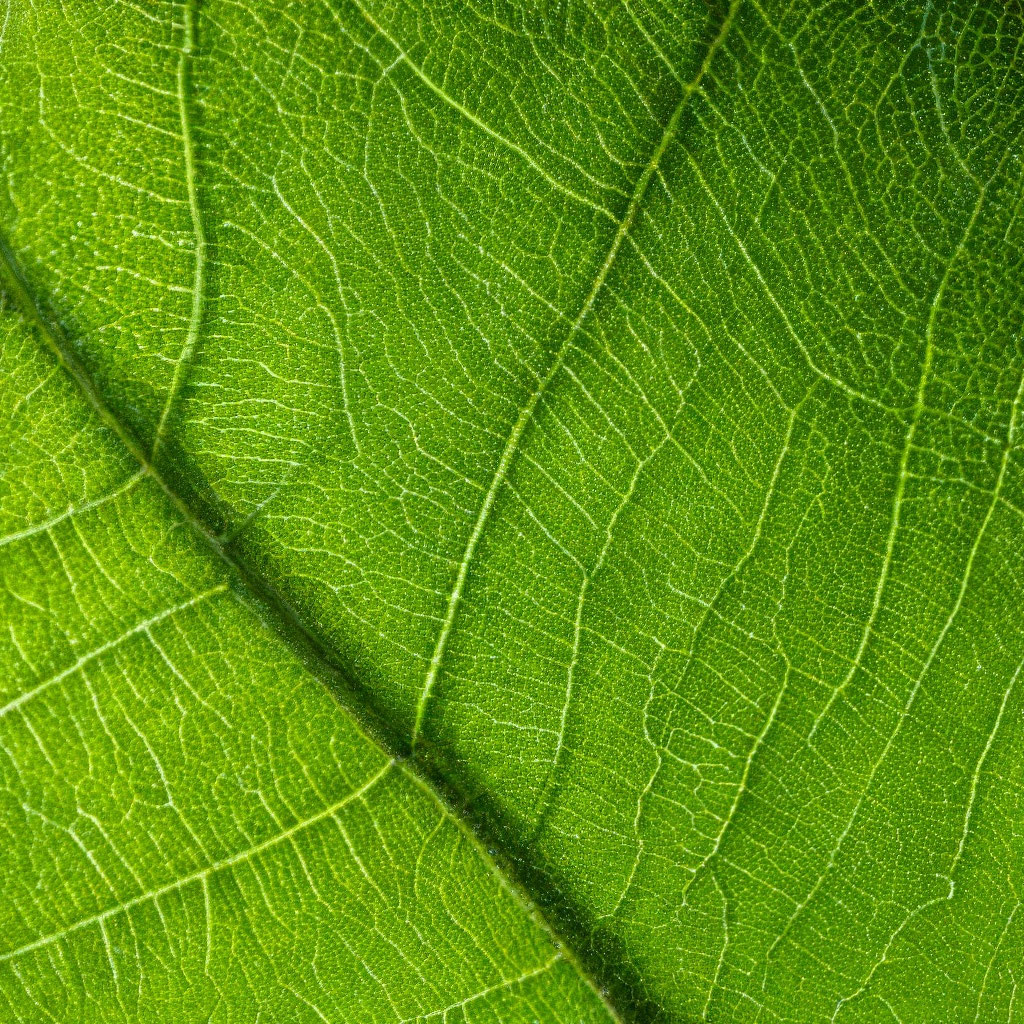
273,609
202,874
184,91
526,414
261,595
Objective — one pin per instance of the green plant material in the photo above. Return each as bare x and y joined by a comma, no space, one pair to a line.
512,512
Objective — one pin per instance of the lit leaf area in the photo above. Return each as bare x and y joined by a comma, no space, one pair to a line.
511,512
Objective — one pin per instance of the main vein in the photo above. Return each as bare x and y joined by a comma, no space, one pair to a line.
272,608
250,586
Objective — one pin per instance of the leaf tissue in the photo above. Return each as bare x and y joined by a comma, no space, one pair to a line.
512,511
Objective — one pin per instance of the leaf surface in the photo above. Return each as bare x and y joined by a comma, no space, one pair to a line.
617,408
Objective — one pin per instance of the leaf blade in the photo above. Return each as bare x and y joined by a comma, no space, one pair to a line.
735,639
193,825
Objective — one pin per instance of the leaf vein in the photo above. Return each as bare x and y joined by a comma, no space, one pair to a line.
201,875
195,322
526,414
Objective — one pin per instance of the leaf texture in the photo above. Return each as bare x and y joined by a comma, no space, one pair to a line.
193,828
592,427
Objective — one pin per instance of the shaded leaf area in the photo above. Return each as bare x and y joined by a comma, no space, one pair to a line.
192,828
630,399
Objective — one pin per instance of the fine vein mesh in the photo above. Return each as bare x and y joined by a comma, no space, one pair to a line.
630,399
193,829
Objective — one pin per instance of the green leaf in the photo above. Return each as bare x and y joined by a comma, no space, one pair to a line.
193,828
508,507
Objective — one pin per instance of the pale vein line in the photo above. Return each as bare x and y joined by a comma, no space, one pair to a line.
203,874
526,414
483,993
770,295
977,775
904,470
890,543
915,689
85,659
884,958
755,540
73,510
995,953
3,28
184,81
741,789
725,947
956,857
581,599
331,315
478,122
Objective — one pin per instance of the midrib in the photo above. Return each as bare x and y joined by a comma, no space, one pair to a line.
281,616
413,758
